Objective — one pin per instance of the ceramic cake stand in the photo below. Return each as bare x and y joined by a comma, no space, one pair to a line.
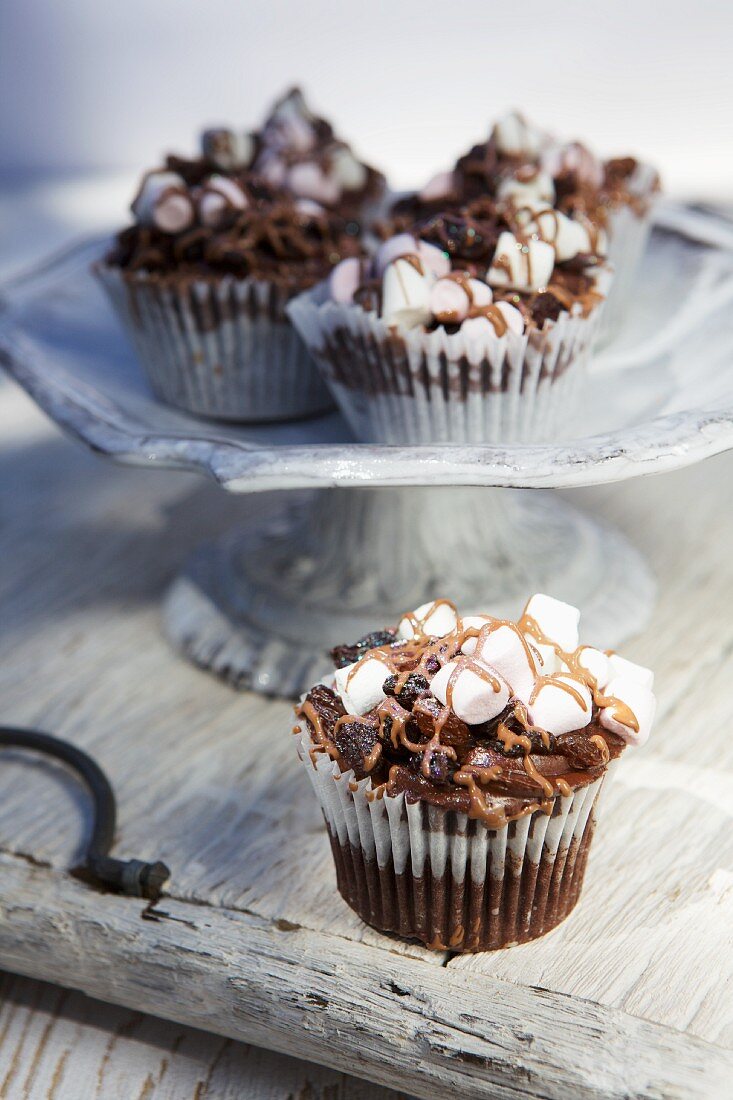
324,563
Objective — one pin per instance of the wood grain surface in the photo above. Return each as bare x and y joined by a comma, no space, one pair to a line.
630,997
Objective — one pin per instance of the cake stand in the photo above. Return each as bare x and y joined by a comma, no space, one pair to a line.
318,562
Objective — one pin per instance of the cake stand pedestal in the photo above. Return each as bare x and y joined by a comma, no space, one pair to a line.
262,606
359,533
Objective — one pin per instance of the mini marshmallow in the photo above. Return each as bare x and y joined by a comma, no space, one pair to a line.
575,159
344,280
349,173
434,260
405,295
218,199
640,701
307,180
521,265
438,187
504,649
290,126
227,149
272,169
537,187
515,136
560,711
440,621
474,699
449,302
404,244
567,237
164,201
596,663
558,621
619,666
362,689
309,207
512,316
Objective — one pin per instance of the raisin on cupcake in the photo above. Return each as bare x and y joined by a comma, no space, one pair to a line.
474,327
459,762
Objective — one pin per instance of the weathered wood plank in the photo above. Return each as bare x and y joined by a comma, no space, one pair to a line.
315,995
56,1044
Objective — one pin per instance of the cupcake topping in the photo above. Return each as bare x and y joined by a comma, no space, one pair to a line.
233,224
497,266
483,715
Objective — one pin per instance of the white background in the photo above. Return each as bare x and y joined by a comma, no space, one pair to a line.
102,83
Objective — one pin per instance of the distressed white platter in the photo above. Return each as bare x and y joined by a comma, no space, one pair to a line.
658,397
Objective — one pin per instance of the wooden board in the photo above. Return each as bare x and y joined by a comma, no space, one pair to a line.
631,997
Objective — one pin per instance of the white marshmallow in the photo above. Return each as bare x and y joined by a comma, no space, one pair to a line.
547,658
218,199
308,181
349,173
165,202
558,621
309,207
596,663
437,623
481,294
290,125
575,158
403,244
512,316
227,149
567,237
434,260
537,188
405,295
473,698
619,666
361,690
639,699
559,711
503,648
521,265
476,621
272,169
515,136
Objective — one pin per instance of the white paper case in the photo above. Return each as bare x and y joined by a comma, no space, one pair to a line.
409,386
436,875
628,233
222,348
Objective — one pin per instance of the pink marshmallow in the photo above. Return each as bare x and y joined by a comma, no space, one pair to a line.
344,280
449,302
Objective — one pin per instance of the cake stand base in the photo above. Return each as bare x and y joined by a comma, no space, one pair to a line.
261,607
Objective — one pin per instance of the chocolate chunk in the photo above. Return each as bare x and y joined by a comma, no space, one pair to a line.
355,741
327,706
415,686
546,307
343,655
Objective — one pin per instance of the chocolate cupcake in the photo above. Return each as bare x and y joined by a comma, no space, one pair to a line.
202,278
475,327
459,764
613,197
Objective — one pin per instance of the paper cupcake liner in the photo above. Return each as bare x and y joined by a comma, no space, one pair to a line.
435,875
628,233
409,386
222,348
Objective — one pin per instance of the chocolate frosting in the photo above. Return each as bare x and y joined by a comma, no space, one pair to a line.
271,239
410,742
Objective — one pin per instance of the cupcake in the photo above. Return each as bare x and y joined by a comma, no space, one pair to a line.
459,764
615,197
202,278
473,328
